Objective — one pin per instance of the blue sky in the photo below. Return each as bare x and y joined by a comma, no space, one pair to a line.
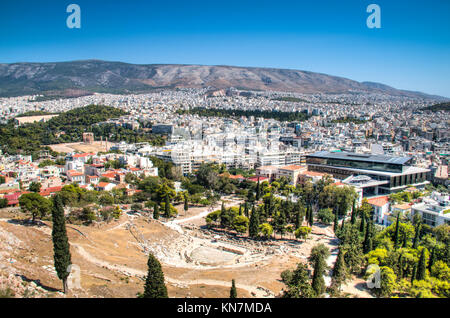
410,51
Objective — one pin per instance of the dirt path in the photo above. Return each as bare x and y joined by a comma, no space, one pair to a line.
253,290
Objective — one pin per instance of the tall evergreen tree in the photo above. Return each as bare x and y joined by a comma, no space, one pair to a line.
154,282
186,203
362,225
421,267
233,292
340,272
432,258
258,190
317,258
298,219
156,211
367,238
414,273
397,231
416,236
310,216
246,209
342,224
61,246
335,224
167,207
254,224
240,209
353,218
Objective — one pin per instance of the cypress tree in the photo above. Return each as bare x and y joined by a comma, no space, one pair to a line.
397,230
258,190
362,225
318,282
298,221
413,276
246,209
61,246
405,240
240,209
156,211
233,292
335,224
254,224
432,258
317,257
353,219
339,270
416,236
154,283
342,224
421,267
167,207
223,217
367,238
186,204
400,266
311,217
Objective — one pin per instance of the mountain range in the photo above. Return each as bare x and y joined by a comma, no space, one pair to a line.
84,77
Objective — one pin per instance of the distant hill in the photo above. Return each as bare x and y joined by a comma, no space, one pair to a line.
117,77
442,106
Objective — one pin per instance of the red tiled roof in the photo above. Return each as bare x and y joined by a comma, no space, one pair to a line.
379,201
255,179
102,184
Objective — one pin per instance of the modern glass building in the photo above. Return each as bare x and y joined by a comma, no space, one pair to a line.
397,171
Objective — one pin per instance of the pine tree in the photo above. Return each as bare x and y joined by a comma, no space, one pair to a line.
156,211
254,224
61,247
233,292
154,283
397,230
421,267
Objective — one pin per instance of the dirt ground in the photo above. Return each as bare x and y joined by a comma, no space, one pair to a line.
96,146
112,258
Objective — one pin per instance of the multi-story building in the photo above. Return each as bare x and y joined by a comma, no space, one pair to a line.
395,172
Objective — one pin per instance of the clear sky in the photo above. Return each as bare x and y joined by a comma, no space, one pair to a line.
411,50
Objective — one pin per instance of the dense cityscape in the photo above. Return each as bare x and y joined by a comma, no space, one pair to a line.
299,161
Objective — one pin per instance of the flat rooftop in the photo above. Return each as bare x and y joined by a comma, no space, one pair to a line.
361,157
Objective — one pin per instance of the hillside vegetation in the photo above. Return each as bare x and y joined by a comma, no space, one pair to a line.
67,127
